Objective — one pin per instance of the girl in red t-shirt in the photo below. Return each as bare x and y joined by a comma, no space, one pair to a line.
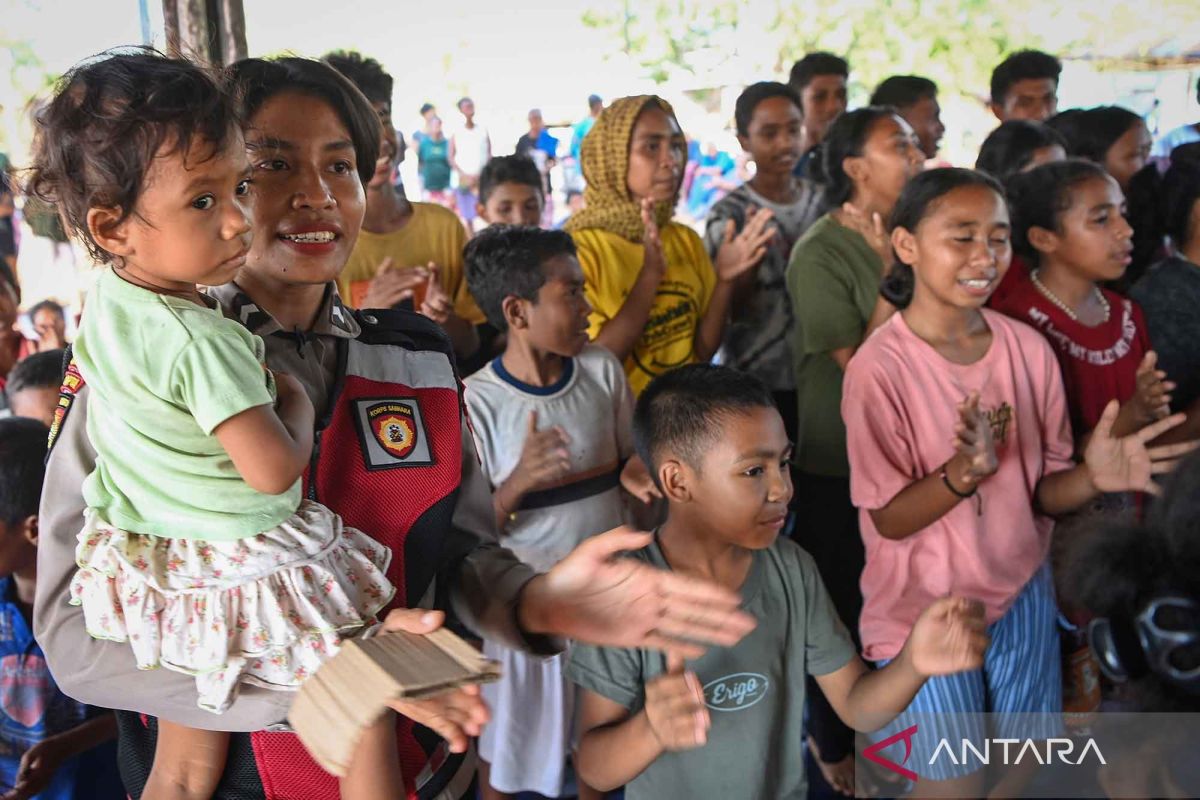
1068,222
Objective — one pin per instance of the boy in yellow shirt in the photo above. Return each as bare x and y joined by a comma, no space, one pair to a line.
407,252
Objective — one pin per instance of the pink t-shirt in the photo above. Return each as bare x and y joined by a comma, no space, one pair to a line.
898,402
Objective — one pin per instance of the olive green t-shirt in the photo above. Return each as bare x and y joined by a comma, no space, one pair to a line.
163,374
833,279
754,690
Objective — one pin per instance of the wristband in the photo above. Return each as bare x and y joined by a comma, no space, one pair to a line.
950,486
963,495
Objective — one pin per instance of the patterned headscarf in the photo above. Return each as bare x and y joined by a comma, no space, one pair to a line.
605,161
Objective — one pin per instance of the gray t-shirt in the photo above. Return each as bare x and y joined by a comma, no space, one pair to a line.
1169,294
755,690
757,339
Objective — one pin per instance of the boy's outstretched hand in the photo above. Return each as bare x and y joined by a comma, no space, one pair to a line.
1126,464
675,708
949,636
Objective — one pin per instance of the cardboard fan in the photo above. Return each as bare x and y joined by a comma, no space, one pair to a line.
351,690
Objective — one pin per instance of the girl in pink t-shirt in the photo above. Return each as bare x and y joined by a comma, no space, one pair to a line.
960,451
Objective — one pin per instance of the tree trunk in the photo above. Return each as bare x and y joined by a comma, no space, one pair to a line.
209,31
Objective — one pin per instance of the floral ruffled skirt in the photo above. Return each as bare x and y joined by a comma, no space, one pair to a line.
266,610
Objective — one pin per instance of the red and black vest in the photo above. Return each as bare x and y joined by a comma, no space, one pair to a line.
388,459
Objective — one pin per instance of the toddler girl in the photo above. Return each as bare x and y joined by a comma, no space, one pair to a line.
197,548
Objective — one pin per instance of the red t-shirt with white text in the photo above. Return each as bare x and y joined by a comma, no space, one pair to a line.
1098,363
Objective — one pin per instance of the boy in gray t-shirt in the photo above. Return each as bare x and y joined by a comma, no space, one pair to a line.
729,724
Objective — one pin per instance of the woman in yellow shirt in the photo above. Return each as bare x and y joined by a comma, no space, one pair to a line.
657,300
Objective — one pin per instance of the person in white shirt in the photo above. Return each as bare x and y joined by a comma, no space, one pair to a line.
470,149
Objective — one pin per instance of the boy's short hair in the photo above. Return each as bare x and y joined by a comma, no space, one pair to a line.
110,116
903,91
508,169
506,260
22,467
755,93
814,64
1023,65
365,73
39,371
462,100
426,108
681,411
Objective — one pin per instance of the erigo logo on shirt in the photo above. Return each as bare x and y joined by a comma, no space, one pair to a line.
736,692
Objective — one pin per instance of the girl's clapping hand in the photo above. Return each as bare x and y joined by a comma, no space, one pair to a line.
1126,464
1152,399
973,441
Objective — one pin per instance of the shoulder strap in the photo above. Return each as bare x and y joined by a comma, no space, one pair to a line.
71,384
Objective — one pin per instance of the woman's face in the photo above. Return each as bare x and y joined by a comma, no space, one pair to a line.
657,151
1127,155
307,198
889,159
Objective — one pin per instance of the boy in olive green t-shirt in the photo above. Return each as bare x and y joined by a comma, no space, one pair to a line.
717,449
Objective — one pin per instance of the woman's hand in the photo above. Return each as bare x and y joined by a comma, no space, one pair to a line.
870,228
597,596
457,715
654,262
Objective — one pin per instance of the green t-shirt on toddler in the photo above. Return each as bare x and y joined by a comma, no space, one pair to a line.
164,373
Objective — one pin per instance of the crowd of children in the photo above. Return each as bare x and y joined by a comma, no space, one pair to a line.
850,412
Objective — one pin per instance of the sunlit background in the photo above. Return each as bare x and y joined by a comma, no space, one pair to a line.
514,55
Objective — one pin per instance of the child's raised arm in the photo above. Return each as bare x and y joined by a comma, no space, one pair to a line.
949,636
270,447
616,746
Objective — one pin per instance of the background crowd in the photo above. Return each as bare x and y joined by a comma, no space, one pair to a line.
952,375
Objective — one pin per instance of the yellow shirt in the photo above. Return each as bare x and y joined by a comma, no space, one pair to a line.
432,234
611,265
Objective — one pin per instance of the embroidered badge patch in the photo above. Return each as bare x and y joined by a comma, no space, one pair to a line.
392,432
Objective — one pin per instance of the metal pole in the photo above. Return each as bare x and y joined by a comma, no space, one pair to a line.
144,19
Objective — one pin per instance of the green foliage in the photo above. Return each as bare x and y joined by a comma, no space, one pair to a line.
954,42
